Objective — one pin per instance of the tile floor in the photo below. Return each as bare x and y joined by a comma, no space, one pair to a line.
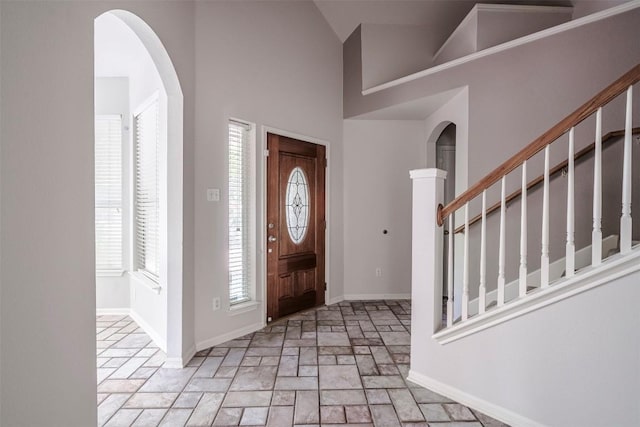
336,365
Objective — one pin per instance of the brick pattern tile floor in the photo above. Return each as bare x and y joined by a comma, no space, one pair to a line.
343,364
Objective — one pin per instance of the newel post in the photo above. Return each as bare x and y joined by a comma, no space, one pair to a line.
426,254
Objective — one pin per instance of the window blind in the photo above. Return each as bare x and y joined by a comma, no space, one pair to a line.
240,213
108,193
147,192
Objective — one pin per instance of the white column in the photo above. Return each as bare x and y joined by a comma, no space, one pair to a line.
625,219
522,284
426,256
465,277
450,272
502,247
482,290
596,234
570,253
544,257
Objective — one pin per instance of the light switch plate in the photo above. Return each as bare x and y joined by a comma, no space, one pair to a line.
213,194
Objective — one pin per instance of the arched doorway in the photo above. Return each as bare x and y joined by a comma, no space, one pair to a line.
445,159
157,303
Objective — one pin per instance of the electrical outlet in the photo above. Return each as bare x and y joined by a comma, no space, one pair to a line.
378,272
216,304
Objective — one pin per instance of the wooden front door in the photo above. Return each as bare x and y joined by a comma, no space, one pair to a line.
295,225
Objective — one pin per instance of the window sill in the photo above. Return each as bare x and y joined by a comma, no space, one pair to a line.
146,281
109,273
242,308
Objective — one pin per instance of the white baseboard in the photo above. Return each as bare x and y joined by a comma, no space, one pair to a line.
229,336
180,362
174,363
334,300
490,409
155,336
368,297
113,311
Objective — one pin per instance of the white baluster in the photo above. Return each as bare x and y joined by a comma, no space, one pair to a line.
544,257
501,253
450,274
465,277
482,290
570,256
625,219
522,285
596,234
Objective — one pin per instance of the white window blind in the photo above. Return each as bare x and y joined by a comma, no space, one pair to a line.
241,214
147,192
108,196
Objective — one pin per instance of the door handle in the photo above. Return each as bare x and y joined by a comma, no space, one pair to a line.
272,239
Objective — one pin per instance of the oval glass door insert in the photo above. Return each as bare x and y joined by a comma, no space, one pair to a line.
297,205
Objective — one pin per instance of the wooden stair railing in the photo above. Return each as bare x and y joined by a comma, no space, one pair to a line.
587,109
552,172
567,125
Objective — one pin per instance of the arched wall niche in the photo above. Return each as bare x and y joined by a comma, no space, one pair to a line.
434,134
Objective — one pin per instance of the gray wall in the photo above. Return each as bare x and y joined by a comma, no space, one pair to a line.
496,27
379,155
586,7
47,217
514,96
275,64
48,283
393,51
462,42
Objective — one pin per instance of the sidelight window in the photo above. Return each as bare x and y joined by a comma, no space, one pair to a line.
241,212
108,194
147,191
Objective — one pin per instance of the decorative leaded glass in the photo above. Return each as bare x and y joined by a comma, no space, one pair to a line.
297,205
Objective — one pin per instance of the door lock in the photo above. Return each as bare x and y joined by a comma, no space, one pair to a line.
272,239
